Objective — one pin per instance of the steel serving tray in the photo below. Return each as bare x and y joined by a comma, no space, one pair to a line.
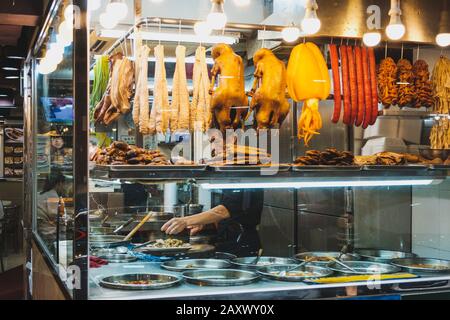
131,167
158,281
195,264
325,168
383,256
118,258
248,262
409,167
220,277
364,267
412,265
149,249
323,254
273,272
250,168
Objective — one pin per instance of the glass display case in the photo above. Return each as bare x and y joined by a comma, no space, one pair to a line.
116,209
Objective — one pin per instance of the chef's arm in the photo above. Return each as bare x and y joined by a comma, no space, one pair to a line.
214,215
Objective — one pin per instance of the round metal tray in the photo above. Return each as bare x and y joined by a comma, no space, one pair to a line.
150,249
410,265
273,272
118,258
248,262
195,264
383,256
161,281
323,254
364,267
220,277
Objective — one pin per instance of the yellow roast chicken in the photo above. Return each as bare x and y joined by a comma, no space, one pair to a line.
229,103
269,90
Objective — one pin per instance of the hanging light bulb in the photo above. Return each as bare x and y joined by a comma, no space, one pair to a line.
64,40
107,21
94,4
443,39
55,53
396,29
291,33
311,23
242,3
65,33
68,12
202,29
46,66
371,39
117,9
217,19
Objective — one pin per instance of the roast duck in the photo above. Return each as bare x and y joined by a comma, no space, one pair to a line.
116,100
269,90
229,103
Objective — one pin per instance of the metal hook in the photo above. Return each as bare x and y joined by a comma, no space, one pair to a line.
347,41
401,55
159,30
331,41
263,45
386,50
342,41
418,51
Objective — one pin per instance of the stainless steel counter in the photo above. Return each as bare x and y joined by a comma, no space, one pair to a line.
263,289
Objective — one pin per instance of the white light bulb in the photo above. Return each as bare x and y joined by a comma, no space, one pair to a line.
55,55
202,29
290,34
371,39
46,66
443,39
107,21
395,31
64,39
117,10
68,12
94,4
242,3
217,20
65,28
311,25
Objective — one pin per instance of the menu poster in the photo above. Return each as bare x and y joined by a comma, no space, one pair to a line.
13,151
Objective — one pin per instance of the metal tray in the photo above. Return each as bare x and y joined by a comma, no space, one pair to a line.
107,241
326,168
393,167
383,256
249,168
160,251
195,264
162,281
322,254
408,264
131,167
118,258
272,272
220,277
248,262
439,167
364,267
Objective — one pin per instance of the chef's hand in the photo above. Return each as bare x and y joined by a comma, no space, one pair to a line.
174,226
195,229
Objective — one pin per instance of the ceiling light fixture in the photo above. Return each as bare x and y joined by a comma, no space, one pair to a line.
371,39
10,69
15,57
202,29
443,38
107,22
311,23
217,19
173,37
12,77
396,29
117,9
291,33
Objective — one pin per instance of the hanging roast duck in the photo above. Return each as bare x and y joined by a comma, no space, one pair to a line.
229,103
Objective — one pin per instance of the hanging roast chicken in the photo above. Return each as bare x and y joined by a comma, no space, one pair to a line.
269,90
229,103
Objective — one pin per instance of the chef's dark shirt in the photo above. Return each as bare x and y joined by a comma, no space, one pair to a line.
238,234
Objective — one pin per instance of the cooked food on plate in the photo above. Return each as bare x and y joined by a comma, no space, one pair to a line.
169,243
330,157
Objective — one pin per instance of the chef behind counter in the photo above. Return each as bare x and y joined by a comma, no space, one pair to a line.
236,219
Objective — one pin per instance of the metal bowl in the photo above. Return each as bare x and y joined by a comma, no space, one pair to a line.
220,277
159,281
364,267
118,258
322,255
273,272
383,256
432,154
248,262
195,264
428,265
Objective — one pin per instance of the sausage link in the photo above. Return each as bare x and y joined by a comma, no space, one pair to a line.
360,80
345,85
334,57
